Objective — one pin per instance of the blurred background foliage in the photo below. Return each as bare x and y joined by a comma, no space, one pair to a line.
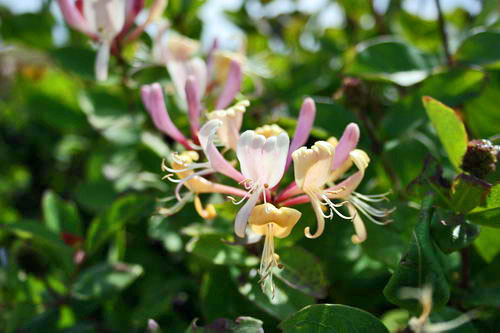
80,247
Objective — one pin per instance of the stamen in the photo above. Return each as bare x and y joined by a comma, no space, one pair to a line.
334,206
175,208
371,212
268,261
373,197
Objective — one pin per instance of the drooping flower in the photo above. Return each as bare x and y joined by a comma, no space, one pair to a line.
269,221
262,162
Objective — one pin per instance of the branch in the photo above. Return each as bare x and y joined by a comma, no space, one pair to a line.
442,31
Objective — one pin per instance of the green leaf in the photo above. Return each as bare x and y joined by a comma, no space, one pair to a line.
450,129
332,318
481,113
386,59
483,297
223,325
105,279
303,271
46,239
285,302
489,214
477,50
487,244
60,216
452,232
212,248
420,266
468,192
127,209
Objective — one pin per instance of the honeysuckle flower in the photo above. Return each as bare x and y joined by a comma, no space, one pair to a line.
103,21
269,221
262,162
422,324
324,163
231,118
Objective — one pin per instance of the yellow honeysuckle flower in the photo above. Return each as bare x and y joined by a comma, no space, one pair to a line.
269,221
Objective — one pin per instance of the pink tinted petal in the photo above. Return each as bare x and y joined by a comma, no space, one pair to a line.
194,106
240,224
133,9
155,11
232,86
152,97
303,129
217,161
348,185
346,144
74,18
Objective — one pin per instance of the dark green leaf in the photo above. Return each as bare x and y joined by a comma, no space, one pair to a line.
105,279
128,209
332,318
468,192
477,50
60,216
489,214
420,266
222,325
303,271
452,232
391,60
214,249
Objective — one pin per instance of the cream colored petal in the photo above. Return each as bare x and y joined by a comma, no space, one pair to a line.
312,166
283,219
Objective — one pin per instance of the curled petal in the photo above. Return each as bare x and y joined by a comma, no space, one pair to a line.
304,126
232,85
152,97
346,144
207,213
359,226
320,219
74,18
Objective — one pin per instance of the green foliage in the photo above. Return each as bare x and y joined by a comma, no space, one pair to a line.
332,318
86,245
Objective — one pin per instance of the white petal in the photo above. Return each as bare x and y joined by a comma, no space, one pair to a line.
240,224
207,132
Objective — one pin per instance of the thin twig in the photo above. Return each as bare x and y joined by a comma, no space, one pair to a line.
442,31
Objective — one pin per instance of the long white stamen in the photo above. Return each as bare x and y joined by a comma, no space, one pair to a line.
373,197
371,212
333,207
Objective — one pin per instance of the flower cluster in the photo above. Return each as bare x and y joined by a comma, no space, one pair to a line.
264,155
205,87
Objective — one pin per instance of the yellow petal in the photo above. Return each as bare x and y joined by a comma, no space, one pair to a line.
283,219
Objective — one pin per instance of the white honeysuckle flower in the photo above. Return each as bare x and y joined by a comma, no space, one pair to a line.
231,118
262,162
106,18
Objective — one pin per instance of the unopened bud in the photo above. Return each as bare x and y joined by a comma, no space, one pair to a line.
480,158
